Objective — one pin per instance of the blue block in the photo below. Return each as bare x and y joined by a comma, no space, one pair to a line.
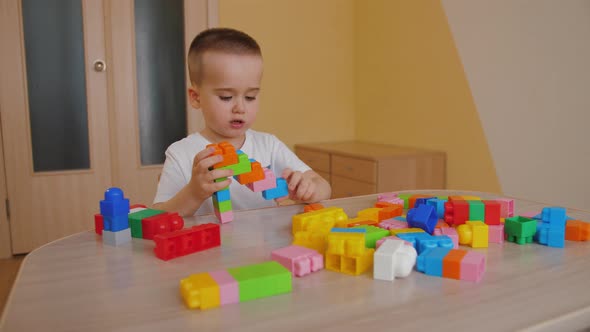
222,195
114,204
348,230
424,241
430,262
422,201
423,217
439,206
554,216
281,190
549,236
116,223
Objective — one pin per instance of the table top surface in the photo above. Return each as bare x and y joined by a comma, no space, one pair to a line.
77,283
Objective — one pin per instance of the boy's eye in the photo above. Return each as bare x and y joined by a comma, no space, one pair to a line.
225,98
250,98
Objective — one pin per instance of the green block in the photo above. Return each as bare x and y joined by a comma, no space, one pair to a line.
243,166
444,198
135,221
406,198
477,210
373,235
261,280
520,229
223,206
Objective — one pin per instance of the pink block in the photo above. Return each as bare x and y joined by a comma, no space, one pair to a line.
383,197
268,182
437,231
506,207
224,217
473,266
393,224
228,287
452,233
529,214
299,260
496,233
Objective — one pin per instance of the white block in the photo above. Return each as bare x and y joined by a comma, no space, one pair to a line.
394,258
116,238
137,209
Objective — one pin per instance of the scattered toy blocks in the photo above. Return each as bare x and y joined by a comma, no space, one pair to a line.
476,210
492,212
394,258
161,224
98,224
262,280
520,229
456,212
228,287
347,253
299,260
186,241
452,234
474,233
496,233
135,219
424,217
473,266
452,264
393,224
430,262
506,207
373,234
577,230
114,204
200,291
423,241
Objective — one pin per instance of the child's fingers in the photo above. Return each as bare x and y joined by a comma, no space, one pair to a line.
203,154
208,162
287,173
302,189
217,186
308,194
294,180
219,173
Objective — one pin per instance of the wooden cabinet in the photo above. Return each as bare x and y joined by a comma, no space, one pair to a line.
357,168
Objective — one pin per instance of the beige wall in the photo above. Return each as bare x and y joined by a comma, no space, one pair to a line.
411,89
528,66
308,49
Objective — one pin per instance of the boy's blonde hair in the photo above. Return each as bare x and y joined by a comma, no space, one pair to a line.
223,40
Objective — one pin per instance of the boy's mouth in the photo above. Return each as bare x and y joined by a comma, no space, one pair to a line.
237,124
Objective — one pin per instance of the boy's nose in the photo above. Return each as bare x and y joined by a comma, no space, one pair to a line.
239,107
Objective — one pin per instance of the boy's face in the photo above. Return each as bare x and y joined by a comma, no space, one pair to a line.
227,95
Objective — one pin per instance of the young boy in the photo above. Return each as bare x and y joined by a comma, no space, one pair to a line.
225,69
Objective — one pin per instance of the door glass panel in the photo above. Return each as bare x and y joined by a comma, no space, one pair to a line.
54,47
159,49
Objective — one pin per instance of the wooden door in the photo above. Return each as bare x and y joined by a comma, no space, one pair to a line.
137,177
48,201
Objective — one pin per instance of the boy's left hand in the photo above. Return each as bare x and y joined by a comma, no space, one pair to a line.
301,185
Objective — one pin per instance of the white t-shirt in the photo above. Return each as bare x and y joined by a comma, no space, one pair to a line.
264,148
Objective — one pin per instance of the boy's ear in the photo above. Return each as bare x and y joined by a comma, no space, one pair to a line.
194,97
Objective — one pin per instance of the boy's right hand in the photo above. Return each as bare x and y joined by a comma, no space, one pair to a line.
202,182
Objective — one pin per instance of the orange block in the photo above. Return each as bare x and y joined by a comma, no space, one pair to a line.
389,212
225,149
441,224
456,198
452,263
256,174
577,230
312,207
413,198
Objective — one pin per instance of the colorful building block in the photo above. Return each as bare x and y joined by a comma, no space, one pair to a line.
473,266
269,182
114,203
315,240
98,224
397,231
423,217
577,230
280,190
474,233
262,280
452,264
476,210
224,217
520,229
554,217
412,199
229,291
356,222
406,198
346,253
200,291
243,166
313,207
222,206
422,201
456,212
256,174
430,262
550,236
116,238
161,224
506,207
299,260
492,212
393,224
115,223
222,195
369,214
319,220
439,206
373,234
423,241
496,233
227,151
391,237
135,219
187,241
452,234
394,258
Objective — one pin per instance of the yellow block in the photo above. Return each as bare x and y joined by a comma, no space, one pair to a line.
200,291
345,223
471,198
346,244
319,220
312,240
474,233
350,265
370,213
405,230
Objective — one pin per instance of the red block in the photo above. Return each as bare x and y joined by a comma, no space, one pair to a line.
187,241
160,224
492,212
456,212
98,223
137,206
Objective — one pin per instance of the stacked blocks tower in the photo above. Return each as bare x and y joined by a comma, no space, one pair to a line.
247,172
210,290
114,210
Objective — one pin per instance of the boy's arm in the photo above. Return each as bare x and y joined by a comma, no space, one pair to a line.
200,187
307,187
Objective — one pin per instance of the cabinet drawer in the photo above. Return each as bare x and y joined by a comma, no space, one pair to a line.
354,168
343,187
318,161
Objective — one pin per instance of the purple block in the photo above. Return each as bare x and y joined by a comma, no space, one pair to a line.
452,233
393,224
496,233
229,291
473,266
299,260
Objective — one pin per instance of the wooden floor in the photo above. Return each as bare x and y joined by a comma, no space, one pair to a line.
8,270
